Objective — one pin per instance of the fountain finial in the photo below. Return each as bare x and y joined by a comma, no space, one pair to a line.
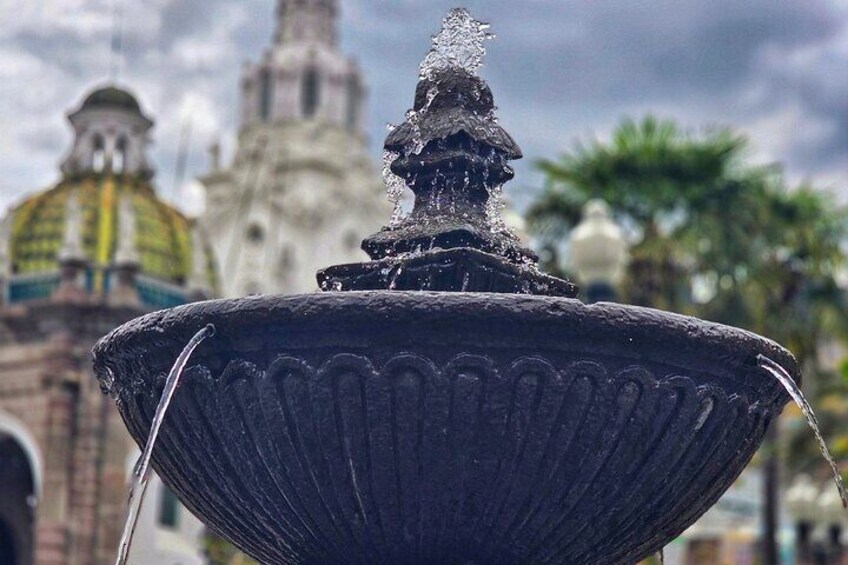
454,156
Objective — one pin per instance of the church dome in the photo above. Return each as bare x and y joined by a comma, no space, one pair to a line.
111,97
164,243
102,231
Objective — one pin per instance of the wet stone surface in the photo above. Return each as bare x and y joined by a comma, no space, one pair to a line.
454,157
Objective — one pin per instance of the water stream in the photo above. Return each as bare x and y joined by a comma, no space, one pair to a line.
394,187
783,377
141,471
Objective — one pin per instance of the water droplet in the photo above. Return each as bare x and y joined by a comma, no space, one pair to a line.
107,383
707,409
394,187
494,210
398,272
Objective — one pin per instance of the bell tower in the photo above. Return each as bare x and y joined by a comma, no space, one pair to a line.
303,75
300,193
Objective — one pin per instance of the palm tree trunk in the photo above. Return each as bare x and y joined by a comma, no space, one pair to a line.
771,496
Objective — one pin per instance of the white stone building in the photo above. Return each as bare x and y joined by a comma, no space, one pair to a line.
301,192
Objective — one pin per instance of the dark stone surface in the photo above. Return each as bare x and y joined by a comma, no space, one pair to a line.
442,428
454,101
462,270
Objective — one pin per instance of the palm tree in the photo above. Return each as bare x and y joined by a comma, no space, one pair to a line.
715,237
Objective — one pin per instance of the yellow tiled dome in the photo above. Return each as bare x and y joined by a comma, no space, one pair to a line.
162,234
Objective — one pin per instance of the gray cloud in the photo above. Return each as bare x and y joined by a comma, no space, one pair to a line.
560,70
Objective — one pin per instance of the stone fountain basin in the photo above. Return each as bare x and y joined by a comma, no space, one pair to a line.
414,427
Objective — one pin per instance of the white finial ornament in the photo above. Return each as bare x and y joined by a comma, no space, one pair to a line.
127,252
72,249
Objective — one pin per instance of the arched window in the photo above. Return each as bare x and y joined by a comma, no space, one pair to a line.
17,493
311,93
255,234
7,544
119,159
169,509
98,155
266,95
354,97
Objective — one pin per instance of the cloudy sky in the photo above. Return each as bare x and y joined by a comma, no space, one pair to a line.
561,70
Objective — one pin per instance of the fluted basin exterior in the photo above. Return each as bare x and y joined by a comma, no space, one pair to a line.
405,428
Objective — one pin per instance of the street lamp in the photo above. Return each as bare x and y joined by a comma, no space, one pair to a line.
598,252
819,520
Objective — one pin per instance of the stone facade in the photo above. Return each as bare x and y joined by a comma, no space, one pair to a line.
301,193
74,439
76,261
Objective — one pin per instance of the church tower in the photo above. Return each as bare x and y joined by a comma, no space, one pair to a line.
301,192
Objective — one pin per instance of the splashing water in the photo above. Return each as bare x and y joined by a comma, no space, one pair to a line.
398,272
414,119
394,187
783,377
459,44
141,472
495,208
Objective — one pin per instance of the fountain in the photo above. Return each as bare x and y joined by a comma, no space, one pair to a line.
446,402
